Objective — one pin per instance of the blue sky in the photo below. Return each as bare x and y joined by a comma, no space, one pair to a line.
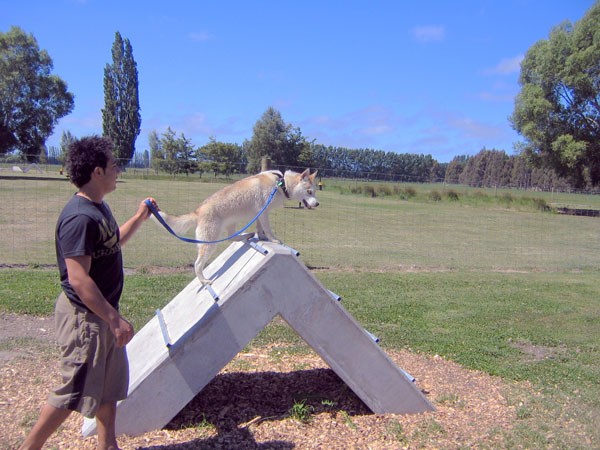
428,77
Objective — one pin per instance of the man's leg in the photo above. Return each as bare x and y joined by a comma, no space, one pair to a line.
105,425
50,419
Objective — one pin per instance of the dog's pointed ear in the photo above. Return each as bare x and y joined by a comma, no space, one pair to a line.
313,176
305,174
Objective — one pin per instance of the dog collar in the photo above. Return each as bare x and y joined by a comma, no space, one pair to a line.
281,184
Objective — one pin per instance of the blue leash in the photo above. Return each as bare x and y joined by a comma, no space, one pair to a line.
154,211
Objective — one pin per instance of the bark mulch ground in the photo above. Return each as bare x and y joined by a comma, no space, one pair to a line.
250,404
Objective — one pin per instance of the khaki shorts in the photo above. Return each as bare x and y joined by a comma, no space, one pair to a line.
94,371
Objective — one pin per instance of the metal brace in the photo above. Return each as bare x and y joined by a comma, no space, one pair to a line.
408,375
259,248
372,336
293,251
163,328
334,296
212,292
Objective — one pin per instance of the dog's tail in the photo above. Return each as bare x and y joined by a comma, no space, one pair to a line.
179,224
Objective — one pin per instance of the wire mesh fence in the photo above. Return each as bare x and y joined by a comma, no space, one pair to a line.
359,225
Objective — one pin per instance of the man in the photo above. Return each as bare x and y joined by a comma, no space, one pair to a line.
90,331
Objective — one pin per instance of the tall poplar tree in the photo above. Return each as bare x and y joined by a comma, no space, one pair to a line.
121,119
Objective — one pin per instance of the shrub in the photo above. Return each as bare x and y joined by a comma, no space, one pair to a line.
480,195
541,204
410,192
452,195
435,196
406,193
384,190
370,191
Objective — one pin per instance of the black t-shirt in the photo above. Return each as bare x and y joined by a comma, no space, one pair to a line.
88,228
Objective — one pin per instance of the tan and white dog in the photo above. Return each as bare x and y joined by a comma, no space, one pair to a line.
239,203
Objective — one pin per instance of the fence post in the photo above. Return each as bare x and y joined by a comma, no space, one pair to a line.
265,163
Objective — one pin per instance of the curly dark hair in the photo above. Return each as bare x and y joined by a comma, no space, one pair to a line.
84,155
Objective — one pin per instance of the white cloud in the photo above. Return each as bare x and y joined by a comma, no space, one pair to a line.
195,123
198,126
472,129
506,66
429,33
200,36
360,128
376,130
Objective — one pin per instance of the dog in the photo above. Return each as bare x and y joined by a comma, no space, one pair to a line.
240,202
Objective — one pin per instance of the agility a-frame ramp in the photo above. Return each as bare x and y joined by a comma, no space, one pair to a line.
202,329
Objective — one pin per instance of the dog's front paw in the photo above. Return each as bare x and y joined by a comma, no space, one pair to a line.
243,237
272,239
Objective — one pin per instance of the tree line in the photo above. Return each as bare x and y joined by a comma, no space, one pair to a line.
175,154
494,169
285,148
489,168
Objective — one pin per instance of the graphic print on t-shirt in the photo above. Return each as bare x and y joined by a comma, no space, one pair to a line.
109,240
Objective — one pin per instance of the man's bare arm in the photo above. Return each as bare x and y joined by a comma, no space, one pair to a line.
78,268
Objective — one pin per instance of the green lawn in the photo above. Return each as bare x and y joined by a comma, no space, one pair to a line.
538,327
383,233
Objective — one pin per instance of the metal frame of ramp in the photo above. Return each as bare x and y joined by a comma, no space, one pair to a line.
194,336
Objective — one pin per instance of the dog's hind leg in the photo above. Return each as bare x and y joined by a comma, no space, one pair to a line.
204,253
206,232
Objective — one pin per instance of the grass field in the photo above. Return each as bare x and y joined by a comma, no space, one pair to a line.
494,284
481,230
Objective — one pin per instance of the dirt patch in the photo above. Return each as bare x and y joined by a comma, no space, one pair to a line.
18,332
539,352
249,404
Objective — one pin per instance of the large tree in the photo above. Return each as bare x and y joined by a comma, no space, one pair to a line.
32,99
172,154
156,151
66,139
558,108
121,119
455,168
222,158
275,139
488,168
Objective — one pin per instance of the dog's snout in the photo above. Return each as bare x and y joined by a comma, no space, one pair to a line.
316,204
